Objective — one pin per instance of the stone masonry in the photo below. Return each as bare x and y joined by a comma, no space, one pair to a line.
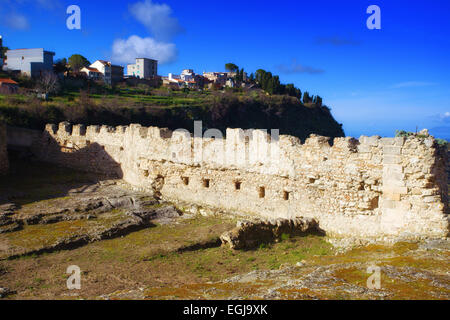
3,151
372,188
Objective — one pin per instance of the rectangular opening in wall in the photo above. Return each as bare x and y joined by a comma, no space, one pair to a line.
262,192
286,195
146,173
206,183
185,180
237,185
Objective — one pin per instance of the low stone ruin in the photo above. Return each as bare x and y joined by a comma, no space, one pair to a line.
250,234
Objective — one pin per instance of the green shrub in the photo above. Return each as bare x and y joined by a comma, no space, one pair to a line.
285,237
403,133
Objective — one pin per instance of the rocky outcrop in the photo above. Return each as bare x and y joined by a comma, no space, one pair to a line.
100,211
133,221
5,292
250,234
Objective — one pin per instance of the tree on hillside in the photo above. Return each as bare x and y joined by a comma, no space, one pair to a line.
48,83
60,66
292,91
231,67
3,51
306,97
239,78
317,100
77,62
259,76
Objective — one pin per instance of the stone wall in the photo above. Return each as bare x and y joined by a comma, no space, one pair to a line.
371,188
3,151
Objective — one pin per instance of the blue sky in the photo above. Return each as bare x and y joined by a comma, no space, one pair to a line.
375,81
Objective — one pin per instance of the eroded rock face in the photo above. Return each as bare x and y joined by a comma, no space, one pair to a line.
249,234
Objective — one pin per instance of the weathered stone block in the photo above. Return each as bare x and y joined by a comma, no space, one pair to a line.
389,176
394,189
65,128
391,196
79,130
391,159
394,150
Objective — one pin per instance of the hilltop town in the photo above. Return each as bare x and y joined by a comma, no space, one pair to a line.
38,62
38,90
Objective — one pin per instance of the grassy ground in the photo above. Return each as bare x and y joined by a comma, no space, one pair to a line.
149,258
150,262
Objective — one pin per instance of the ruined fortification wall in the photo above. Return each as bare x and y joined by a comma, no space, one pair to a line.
3,151
368,188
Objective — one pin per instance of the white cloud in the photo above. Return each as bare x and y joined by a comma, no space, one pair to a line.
412,84
157,18
16,21
445,115
127,50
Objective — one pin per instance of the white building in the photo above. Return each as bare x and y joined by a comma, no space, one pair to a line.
216,77
111,73
92,73
143,68
31,62
187,75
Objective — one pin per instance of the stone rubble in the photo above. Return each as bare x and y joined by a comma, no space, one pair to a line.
250,234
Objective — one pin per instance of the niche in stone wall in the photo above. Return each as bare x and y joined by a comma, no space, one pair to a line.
237,185
185,180
206,183
262,192
286,195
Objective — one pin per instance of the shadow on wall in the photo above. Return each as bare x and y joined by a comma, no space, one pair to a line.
30,180
91,157
441,172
